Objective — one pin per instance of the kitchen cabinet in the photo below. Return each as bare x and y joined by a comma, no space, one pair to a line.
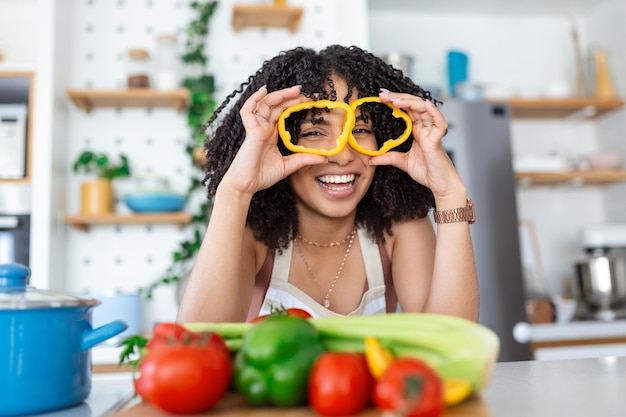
87,100
264,16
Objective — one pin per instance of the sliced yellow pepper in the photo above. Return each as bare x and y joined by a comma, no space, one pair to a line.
389,143
455,391
342,139
377,356
349,123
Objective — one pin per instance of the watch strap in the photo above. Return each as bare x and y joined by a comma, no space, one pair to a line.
455,215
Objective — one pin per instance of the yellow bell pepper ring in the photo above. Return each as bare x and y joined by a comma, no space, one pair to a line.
389,143
342,139
349,123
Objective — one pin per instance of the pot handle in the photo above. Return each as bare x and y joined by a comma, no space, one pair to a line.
102,333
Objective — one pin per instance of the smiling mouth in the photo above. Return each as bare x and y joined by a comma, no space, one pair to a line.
337,182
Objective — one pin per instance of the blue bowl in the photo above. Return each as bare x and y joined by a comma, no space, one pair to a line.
156,202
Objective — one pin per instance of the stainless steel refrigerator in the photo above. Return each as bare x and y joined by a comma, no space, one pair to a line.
478,141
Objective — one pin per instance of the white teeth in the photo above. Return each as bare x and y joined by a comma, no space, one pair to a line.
337,179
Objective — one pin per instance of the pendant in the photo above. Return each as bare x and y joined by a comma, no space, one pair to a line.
326,303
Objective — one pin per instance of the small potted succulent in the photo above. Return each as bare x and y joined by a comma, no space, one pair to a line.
96,196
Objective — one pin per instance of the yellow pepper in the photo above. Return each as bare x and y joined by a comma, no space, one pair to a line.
455,391
377,356
349,123
342,139
389,143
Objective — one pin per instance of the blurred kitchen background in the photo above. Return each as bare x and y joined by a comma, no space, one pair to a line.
553,71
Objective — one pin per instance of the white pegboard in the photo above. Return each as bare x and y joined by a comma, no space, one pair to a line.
129,256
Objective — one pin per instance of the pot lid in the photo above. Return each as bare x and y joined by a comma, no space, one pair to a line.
16,294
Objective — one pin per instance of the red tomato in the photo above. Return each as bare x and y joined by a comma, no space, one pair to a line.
168,333
298,312
340,384
411,388
184,378
173,333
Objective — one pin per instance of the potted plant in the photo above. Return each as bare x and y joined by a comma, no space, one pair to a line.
96,195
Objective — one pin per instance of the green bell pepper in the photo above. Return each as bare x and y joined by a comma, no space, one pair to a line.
275,360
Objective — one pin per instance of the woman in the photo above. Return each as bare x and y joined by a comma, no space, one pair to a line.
334,233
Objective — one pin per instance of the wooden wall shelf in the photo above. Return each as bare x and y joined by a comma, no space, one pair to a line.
587,108
15,180
84,222
265,16
571,177
90,99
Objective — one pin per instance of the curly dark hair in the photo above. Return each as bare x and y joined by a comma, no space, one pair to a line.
273,217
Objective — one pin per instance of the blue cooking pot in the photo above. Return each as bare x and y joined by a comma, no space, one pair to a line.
45,337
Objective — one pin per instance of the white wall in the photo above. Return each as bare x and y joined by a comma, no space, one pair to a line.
522,55
605,28
126,257
19,31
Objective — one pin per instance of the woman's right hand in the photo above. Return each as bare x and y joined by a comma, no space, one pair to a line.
259,164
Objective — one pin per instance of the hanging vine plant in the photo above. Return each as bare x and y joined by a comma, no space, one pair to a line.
201,87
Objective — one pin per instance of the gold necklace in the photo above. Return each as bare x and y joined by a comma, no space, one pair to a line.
325,245
326,300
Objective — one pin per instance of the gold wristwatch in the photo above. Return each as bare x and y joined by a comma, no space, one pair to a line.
460,214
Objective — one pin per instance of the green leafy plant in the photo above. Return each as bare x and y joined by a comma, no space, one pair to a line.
201,87
101,165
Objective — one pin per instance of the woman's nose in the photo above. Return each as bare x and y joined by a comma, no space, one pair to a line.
344,157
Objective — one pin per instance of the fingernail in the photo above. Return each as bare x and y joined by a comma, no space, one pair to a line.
297,86
262,87
383,92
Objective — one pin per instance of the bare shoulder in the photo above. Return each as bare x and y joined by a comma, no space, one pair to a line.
256,250
414,233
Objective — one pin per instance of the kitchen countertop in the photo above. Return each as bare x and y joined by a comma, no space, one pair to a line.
567,387
547,388
109,393
550,388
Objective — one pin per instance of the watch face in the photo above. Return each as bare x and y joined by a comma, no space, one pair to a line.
471,211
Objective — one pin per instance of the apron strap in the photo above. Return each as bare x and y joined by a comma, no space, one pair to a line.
391,298
261,284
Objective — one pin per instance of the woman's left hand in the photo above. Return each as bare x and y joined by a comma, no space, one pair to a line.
427,161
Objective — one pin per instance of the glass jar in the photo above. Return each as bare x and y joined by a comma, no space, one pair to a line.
167,63
138,68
